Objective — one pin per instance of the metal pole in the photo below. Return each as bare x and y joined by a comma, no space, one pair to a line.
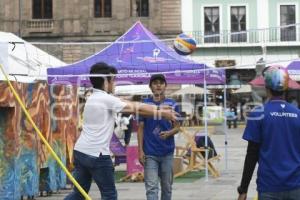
225,129
20,18
205,125
140,8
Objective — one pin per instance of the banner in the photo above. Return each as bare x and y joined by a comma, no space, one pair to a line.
133,163
214,115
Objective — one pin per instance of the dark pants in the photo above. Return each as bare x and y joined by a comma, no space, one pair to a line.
100,169
229,122
200,142
127,135
287,195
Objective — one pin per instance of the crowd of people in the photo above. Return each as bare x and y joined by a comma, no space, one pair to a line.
272,132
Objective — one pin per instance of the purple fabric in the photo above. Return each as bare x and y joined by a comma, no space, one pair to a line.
118,150
116,146
151,56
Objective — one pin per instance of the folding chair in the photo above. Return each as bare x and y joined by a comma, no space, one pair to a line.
193,156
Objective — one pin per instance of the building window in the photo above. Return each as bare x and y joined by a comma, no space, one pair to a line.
211,24
102,8
42,9
140,8
238,23
287,17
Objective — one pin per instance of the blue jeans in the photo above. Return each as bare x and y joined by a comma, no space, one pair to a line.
100,169
158,167
287,195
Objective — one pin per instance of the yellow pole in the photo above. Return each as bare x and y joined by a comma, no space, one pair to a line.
86,196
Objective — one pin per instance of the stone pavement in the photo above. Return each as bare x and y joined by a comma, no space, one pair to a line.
222,188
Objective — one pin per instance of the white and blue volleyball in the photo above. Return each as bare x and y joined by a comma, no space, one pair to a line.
184,44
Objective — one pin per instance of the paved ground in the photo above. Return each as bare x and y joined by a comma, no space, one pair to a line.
222,188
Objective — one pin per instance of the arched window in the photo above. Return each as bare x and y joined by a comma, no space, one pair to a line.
102,8
42,9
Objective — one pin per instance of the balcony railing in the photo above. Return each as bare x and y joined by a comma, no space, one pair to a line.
284,35
40,25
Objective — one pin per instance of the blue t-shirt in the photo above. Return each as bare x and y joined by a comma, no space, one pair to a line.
276,127
153,144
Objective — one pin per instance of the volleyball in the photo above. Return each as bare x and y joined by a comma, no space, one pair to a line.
184,44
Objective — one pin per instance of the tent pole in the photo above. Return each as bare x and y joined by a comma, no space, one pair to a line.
205,125
225,129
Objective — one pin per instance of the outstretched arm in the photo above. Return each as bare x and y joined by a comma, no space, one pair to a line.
150,110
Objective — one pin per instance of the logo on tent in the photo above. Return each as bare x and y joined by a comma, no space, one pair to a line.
156,52
155,57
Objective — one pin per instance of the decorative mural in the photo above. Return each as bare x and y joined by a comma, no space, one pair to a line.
26,166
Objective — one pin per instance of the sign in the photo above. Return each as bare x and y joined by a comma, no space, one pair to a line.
133,163
214,115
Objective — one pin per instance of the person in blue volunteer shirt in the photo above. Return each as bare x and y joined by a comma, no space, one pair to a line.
156,143
273,135
91,152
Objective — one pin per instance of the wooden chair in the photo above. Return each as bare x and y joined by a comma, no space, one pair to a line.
195,160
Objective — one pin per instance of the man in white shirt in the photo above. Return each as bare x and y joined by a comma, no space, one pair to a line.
91,152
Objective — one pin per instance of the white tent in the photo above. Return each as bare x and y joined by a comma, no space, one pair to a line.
133,90
23,61
190,90
243,89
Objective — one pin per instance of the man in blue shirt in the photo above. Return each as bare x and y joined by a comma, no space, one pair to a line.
273,135
156,143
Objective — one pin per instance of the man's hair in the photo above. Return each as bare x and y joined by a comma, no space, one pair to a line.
277,93
160,77
101,68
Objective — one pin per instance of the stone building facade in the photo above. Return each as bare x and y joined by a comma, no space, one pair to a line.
85,21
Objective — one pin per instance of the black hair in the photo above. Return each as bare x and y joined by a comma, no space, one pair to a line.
101,68
160,77
277,93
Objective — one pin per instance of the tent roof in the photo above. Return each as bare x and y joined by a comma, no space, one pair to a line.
260,82
133,90
190,90
23,60
243,89
136,55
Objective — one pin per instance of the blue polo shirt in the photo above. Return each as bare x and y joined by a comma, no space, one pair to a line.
153,144
276,127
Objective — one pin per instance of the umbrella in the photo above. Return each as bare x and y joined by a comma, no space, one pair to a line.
260,81
294,70
190,90
133,90
243,89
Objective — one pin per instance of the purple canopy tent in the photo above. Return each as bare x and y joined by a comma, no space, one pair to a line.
136,55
